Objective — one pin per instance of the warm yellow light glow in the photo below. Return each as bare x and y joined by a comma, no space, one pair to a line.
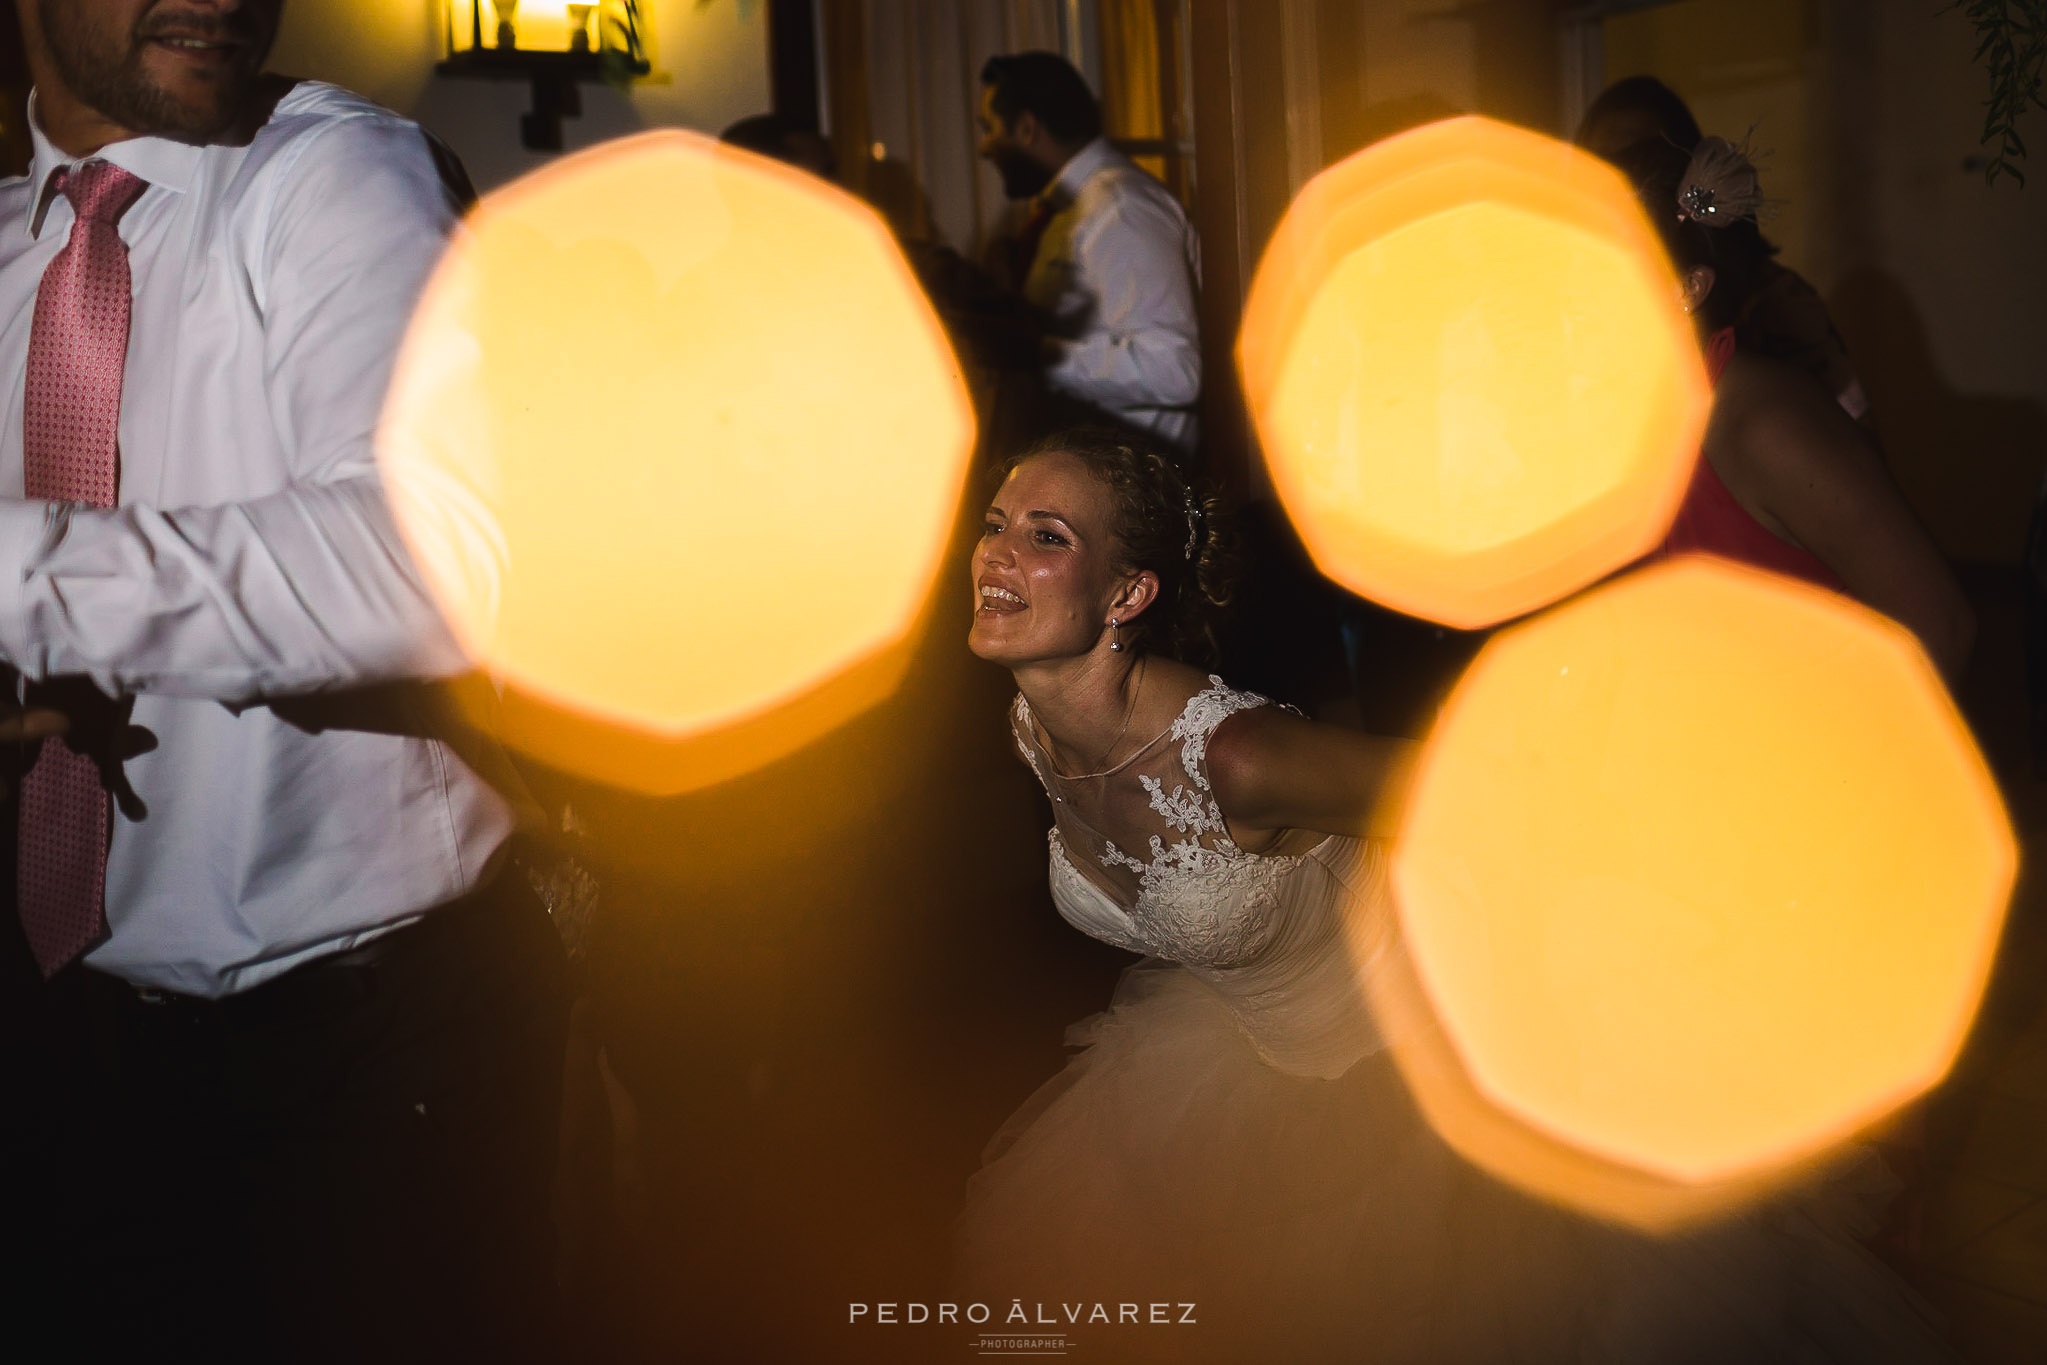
677,443
1702,874
549,25
1515,1150
1471,379
537,25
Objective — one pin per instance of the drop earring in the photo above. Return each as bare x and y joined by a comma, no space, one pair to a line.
1115,640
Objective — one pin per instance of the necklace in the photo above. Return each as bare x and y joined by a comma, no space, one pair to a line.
1128,712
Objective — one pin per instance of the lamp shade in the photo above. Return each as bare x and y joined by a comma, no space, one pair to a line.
531,26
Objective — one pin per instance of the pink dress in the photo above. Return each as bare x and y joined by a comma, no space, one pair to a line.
1712,521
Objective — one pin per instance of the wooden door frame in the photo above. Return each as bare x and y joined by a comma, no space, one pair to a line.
1581,54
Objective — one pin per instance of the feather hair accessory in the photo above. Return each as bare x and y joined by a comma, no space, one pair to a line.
1719,186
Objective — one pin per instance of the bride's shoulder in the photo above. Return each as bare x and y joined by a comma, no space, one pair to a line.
1249,745
1271,768
1214,708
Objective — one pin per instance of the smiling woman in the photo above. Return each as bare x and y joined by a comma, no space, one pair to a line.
1233,1132
1086,488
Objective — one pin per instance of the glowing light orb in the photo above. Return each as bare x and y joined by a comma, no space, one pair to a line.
677,443
1470,376
1703,872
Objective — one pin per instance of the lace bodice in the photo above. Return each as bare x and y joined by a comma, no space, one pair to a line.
1281,938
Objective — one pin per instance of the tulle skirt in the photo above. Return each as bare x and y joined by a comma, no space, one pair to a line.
1321,1220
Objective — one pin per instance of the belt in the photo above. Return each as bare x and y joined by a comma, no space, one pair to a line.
332,981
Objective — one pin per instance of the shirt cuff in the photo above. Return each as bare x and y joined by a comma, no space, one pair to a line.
28,527
1072,367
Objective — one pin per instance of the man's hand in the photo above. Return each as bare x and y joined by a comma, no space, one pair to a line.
96,725
31,724
21,730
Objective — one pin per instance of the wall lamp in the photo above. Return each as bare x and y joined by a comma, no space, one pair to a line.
554,44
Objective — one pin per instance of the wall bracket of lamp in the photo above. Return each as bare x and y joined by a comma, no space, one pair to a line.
554,44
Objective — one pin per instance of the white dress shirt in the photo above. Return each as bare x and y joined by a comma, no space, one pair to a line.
1117,268
251,555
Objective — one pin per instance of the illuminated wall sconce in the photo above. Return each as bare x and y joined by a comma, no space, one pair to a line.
554,44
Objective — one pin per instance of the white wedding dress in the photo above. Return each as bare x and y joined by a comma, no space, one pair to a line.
1234,1134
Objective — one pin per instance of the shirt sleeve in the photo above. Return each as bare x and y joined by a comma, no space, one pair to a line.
304,589
1142,347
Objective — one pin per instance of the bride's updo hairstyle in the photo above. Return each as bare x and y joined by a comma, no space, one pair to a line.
1162,524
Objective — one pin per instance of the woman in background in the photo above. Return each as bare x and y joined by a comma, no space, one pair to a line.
1783,317
1787,481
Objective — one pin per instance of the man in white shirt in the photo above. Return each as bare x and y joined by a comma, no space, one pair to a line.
282,1043
1108,256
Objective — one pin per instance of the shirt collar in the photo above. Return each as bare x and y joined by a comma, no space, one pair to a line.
158,160
1079,167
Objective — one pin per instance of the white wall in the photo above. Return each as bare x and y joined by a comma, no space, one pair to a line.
710,62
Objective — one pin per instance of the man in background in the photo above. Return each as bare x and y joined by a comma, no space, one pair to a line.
1107,259
281,1046
784,139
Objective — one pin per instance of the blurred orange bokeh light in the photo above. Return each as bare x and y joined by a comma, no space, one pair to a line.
1703,872
1470,375
677,442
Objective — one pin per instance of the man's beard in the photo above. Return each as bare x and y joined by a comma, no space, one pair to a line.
107,73
1022,178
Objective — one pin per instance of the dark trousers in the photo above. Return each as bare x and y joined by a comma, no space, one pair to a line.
352,1162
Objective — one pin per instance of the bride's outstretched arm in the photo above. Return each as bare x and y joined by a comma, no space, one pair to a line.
1273,770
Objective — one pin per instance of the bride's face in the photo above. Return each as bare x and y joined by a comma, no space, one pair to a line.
1044,575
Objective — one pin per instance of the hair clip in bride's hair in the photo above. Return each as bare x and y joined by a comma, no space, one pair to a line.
1719,185
1193,523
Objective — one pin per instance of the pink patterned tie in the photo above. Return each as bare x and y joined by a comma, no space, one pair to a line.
77,350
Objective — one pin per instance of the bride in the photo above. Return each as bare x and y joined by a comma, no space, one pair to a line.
1232,1134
